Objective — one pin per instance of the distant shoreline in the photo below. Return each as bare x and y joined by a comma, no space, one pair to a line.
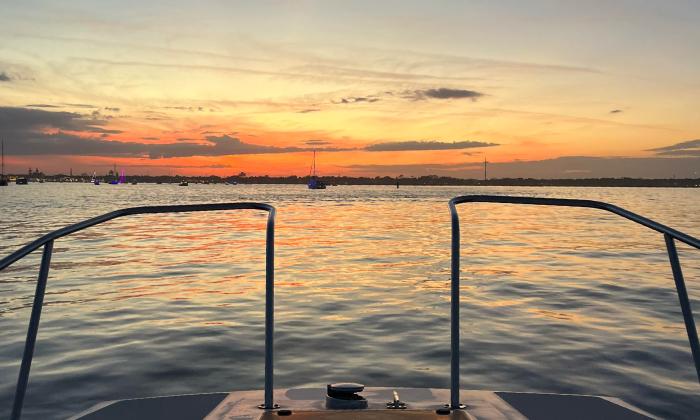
428,180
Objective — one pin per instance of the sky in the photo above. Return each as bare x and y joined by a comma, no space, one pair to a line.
545,89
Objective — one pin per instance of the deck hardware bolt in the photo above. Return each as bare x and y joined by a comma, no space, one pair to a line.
396,403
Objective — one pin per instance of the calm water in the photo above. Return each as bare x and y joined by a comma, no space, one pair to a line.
558,300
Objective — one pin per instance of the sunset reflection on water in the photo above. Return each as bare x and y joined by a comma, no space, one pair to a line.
558,300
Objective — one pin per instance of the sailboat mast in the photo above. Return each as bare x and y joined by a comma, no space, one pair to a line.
2,171
314,163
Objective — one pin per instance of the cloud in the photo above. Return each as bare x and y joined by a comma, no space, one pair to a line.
616,111
23,120
357,99
317,142
426,145
184,108
4,77
685,148
562,167
42,106
445,93
415,95
218,146
306,111
41,132
80,105
113,109
452,169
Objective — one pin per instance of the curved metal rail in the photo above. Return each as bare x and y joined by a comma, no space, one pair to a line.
670,236
47,242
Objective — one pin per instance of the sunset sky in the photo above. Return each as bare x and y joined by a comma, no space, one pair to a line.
540,88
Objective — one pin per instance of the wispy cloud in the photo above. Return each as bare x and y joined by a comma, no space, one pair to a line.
317,142
445,93
440,93
685,148
42,106
80,105
426,145
616,111
184,108
356,99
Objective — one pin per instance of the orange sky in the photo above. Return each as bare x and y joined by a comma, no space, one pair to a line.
513,84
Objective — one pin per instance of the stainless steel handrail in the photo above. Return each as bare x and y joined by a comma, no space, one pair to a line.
670,236
47,242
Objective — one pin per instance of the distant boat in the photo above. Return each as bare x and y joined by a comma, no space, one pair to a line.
184,183
314,182
115,181
3,180
21,180
94,179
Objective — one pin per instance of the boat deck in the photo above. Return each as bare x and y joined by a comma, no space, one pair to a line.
421,404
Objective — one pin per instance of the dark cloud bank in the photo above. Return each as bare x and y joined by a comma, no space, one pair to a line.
567,167
42,132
